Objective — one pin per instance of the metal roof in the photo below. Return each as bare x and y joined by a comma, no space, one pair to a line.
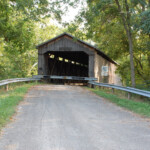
83,42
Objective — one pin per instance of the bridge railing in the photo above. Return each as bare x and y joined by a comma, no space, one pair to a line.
15,80
65,77
126,89
42,77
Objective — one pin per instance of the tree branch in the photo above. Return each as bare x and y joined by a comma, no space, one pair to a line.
122,16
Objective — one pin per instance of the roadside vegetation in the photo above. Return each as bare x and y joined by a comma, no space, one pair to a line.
121,29
139,106
118,28
9,101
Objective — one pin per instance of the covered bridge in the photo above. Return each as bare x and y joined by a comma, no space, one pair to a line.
66,55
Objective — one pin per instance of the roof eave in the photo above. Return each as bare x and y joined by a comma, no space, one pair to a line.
95,48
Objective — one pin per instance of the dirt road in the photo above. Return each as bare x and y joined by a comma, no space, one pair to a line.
59,117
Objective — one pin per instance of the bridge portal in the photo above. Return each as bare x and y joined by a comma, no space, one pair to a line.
66,55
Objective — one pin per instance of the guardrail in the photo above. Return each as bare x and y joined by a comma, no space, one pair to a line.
14,80
126,89
65,77
39,77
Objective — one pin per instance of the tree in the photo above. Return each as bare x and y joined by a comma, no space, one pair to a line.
18,37
126,19
115,26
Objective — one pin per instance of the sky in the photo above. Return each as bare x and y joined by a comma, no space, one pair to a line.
72,12
70,15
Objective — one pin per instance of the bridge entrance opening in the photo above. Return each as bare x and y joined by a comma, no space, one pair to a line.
67,63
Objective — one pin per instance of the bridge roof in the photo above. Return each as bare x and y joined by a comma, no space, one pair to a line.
80,41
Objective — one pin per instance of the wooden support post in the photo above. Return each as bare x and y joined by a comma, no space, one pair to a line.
92,86
113,90
89,85
129,95
91,66
68,82
6,87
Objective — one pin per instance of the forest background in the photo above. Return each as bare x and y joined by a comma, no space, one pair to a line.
119,28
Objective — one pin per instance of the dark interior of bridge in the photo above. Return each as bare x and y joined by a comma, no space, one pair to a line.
67,63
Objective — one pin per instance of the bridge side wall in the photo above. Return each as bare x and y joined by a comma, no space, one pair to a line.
95,60
112,77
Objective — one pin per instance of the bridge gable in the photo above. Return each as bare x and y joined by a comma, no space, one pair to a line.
65,43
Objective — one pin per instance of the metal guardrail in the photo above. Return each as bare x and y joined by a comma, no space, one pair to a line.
8,81
91,81
39,77
65,77
127,89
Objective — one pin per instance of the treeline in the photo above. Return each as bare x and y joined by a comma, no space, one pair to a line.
122,30
119,28
23,25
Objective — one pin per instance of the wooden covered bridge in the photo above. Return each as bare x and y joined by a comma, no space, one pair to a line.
66,55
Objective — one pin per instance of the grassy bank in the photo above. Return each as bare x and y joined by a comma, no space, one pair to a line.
140,107
10,99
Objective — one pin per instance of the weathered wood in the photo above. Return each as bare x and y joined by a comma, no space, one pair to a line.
46,57
77,51
6,87
39,62
65,44
91,66
129,95
113,90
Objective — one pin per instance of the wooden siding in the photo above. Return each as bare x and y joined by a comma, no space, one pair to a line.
112,77
64,44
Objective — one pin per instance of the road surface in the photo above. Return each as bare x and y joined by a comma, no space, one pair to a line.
62,117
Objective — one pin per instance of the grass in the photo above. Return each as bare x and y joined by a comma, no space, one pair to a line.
9,101
139,107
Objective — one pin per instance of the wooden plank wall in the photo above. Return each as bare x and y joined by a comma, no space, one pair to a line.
64,44
112,77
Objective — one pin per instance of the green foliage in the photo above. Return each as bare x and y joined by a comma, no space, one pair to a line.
45,31
143,23
22,27
9,101
142,108
74,30
103,25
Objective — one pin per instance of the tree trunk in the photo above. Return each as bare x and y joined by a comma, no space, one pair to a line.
127,27
131,59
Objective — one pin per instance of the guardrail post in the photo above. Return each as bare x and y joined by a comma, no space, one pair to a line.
129,95
99,87
6,87
113,90
89,85
92,86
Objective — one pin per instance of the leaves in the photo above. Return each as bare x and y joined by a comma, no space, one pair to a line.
103,25
20,31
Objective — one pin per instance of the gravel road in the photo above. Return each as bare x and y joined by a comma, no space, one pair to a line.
62,117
